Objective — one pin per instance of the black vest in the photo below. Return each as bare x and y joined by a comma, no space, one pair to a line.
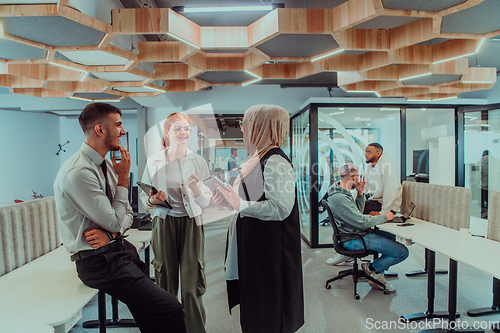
269,289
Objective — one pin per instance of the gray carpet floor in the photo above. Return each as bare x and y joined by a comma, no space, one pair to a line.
336,310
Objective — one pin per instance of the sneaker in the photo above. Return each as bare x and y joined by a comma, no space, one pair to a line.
337,259
365,267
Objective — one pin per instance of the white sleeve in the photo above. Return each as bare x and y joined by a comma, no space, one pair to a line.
392,195
279,190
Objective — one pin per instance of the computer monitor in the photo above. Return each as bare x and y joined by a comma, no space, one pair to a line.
421,161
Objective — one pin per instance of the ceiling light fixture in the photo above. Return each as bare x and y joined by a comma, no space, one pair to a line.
440,61
250,82
336,113
84,76
328,54
480,45
364,92
81,98
222,9
341,109
153,88
415,76
424,109
479,82
182,40
441,99
75,69
107,100
389,109
258,77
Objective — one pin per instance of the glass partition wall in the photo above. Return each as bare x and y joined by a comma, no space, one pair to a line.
481,130
421,141
300,155
323,139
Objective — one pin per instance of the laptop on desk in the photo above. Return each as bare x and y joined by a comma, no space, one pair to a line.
405,216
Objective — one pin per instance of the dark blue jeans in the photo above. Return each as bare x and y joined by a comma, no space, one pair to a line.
392,252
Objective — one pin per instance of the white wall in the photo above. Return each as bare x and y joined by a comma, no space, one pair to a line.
28,152
441,149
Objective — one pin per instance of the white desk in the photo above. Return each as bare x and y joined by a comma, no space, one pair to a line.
420,229
16,327
435,238
46,290
136,237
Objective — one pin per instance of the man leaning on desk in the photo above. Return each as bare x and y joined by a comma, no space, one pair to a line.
348,217
91,194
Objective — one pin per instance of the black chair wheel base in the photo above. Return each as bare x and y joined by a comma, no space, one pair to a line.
356,296
328,286
386,292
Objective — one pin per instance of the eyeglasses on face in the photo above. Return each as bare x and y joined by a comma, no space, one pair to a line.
185,129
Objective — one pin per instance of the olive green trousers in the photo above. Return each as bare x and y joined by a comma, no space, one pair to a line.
178,246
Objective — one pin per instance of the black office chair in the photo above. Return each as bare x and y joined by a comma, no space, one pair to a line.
355,271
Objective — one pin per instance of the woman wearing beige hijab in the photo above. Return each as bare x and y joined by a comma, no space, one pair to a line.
263,259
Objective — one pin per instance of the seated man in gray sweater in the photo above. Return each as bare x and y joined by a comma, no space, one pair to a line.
347,213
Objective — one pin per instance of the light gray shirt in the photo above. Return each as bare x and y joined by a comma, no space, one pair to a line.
279,189
81,201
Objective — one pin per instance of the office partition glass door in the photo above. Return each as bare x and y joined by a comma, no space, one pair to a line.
343,134
301,160
430,145
481,158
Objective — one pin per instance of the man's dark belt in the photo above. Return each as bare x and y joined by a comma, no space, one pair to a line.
89,253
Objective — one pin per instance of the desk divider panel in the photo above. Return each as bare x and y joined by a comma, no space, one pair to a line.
28,230
494,216
448,206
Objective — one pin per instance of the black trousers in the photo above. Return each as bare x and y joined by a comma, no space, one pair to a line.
120,273
372,205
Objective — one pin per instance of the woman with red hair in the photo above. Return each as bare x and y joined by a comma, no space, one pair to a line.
178,234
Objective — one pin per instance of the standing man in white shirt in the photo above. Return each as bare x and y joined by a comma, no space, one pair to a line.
91,193
382,180
383,188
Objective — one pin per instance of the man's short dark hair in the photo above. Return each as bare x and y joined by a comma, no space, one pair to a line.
234,150
95,113
377,146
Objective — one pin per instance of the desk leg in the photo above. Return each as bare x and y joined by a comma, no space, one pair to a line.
425,270
452,305
495,308
430,259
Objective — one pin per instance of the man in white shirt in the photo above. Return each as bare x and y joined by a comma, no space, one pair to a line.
382,181
383,188
91,193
